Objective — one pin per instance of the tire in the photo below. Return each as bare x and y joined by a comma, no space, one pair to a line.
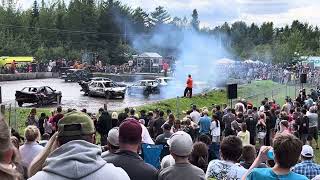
20,103
107,95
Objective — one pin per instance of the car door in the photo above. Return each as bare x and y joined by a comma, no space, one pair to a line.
100,89
50,94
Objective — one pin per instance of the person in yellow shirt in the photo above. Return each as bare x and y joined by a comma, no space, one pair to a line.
244,135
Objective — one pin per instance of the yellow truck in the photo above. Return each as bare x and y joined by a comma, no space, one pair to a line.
7,60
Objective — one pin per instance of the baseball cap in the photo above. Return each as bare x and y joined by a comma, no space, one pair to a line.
307,151
114,115
180,143
113,136
75,124
130,131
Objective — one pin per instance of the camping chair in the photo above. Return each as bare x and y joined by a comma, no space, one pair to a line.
151,154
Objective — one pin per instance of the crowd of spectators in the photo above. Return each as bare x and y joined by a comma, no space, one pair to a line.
241,142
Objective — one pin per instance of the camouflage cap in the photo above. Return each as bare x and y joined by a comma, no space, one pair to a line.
75,124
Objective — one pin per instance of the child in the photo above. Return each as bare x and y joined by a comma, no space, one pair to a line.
244,135
48,128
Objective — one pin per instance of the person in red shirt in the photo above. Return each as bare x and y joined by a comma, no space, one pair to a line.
13,67
165,68
189,87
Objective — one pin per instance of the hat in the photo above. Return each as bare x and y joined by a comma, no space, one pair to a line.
75,124
130,131
114,115
113,136
180,143
307,151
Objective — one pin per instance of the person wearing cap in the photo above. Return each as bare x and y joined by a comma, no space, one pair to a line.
307,167
77,156
181,144
104,125
130,136
204,123
113,142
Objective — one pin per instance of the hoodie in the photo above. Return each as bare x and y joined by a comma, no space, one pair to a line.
78,160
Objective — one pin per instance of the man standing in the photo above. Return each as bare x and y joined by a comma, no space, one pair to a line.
205,123
180,145
127,157
104,125
77,157
226,120
252,122
189,87
157,126
307,167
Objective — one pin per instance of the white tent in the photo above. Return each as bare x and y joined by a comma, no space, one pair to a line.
225,61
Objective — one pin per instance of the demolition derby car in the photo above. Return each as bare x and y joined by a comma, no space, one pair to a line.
41,95
145,87
76,75
103,88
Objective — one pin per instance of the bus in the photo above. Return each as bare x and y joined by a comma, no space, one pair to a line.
7,60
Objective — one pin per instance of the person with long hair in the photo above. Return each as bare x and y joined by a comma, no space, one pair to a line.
262,129
215,129
199,155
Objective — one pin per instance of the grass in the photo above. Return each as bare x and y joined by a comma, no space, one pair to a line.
254,92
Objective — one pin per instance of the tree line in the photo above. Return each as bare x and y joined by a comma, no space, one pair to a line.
57,30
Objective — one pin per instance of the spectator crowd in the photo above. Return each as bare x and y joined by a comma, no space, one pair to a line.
270,141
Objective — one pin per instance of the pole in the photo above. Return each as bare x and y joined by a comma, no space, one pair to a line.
177,109
9,114
0,96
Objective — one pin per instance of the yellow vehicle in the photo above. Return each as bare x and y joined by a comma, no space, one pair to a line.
7,60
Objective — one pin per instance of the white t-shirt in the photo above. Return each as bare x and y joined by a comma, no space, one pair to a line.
146,138
28,152
195,116
220,169
215,131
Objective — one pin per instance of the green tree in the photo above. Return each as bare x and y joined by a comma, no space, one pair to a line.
160,16
195,20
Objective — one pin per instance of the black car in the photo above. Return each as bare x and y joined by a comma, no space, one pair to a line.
40,95
145,87
76,75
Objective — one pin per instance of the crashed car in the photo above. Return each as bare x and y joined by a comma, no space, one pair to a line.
41,95
76,75
145,87
107,89
85,84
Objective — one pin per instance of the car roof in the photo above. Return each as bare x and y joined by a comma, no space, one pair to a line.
102,81
148,80
165,78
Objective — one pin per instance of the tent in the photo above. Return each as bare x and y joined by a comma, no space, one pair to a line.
225,61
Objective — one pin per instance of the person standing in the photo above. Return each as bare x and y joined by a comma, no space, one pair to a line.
313,125
205,123
181,145
158,124
251,122
32,118
189,87
103,126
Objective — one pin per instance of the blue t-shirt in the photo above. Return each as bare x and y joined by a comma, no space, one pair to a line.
267,173
204,124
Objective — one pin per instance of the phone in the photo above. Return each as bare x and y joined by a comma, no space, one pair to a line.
270,154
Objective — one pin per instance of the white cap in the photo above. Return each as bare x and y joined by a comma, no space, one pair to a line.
113,136
114,115
180,143
307,151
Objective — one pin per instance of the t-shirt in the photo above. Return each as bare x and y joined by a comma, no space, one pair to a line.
219,169
185,171
204,124
28,152
313,119
245,137
267,173
195,116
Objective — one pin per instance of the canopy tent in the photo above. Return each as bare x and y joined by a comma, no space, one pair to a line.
225,61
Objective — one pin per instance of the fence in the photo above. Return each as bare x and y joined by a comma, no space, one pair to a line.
10,112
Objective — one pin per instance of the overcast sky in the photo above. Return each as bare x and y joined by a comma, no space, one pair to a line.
216,12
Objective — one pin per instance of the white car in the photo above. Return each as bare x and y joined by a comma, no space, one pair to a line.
107,89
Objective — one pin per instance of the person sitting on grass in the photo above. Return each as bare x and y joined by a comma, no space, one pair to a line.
286,152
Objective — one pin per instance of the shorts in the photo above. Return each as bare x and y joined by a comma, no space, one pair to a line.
216,139
313,133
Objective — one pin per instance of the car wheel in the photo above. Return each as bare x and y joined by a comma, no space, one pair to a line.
20,103
107,95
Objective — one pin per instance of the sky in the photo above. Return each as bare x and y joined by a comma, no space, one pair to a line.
216,12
